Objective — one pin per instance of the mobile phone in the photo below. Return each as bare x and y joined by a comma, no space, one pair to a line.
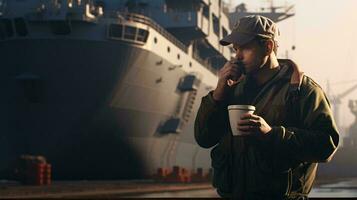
240,65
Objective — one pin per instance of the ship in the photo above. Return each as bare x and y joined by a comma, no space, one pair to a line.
108,89
344,163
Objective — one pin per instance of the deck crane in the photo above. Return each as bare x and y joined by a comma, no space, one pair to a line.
336,100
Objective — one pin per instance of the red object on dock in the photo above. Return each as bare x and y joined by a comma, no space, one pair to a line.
182,175
198,176
178,175
47,174
33,170
161,174
38,173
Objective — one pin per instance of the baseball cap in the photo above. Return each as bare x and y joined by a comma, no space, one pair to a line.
249,27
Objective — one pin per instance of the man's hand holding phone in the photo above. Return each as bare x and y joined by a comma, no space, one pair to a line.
228,76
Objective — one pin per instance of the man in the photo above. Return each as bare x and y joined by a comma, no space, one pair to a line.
291,130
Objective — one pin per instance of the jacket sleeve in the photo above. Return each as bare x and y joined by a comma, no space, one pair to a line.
211,121
317,137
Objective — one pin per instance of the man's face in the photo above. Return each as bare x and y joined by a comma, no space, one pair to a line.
252,55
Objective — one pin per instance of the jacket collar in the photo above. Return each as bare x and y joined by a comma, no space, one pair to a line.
289,71
296,76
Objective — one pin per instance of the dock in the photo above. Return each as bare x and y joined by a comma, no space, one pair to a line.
96,189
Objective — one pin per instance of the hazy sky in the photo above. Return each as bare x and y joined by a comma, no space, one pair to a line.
324,33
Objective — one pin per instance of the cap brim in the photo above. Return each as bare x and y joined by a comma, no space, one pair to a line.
237,38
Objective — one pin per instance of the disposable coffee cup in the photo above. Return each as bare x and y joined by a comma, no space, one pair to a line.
235,113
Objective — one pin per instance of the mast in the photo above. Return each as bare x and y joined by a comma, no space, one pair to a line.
276,13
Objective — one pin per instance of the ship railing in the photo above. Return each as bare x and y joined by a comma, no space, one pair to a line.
148,21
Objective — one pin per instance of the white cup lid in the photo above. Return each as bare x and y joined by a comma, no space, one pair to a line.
241,107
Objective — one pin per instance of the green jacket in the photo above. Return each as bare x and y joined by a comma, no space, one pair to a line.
284,165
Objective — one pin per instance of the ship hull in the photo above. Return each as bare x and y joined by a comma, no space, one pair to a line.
93,109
